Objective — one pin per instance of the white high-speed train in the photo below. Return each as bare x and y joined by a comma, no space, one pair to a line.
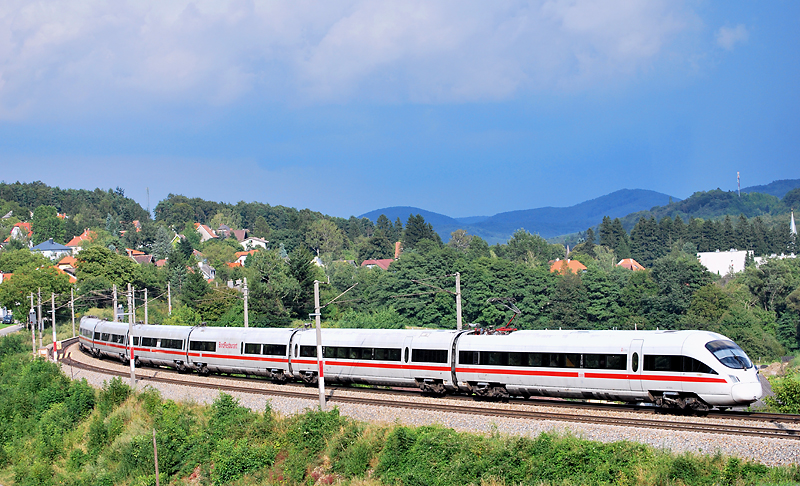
678,369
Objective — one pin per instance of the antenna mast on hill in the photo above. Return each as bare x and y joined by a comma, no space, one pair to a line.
148,201
738,184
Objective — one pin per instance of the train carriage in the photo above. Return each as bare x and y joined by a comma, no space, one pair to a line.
237,350
110,339
160,345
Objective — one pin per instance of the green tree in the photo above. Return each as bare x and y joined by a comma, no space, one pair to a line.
460,240
46,225
325,237
162,246
15,294
375,248
677,279
99,268
12,261
416,230
194,289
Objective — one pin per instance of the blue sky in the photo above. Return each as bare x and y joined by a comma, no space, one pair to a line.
458,107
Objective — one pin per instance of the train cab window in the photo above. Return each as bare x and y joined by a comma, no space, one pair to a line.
172,344
308,351
635,362
150,342
274,349
251,348
429,355
729,354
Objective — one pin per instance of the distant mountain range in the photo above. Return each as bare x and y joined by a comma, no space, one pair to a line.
627,204
547,222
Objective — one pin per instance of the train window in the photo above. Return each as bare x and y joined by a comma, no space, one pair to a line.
729,354
572,360
494,358
405,358
354,353
296,346
691,365
429,355
341,352
468,357
635,362
172,343
97,335
208,346
135,340
308,351
118,338
517,359
662,363
275,349
553,360
252,348
148,341
105,336
534,359
384,354
616,362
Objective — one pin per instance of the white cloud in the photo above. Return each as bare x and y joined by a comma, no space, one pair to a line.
64,55
727,37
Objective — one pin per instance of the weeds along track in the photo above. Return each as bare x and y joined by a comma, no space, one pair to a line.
775,426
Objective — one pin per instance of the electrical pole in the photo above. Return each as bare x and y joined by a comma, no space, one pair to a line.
130,337
39,315
72,306
320,360
115,302
30,321
145,306
132,305
246,294
458,300
53,318
169,298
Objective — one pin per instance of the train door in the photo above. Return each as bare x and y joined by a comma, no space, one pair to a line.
406,358
635,361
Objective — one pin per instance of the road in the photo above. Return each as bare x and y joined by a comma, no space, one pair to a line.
10,329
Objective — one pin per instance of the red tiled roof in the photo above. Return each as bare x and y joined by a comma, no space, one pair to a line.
573,266
71,278
68,260
384,263
243,253
87,235
630,264
234,264
161,263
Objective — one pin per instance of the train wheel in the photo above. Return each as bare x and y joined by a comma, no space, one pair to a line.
204,370
137,362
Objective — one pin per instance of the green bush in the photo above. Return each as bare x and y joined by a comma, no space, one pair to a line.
112,395
787,394
234,459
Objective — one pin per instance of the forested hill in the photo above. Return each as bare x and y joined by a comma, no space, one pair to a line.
775,188
718,204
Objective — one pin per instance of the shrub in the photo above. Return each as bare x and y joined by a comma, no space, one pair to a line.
112,395
232,460
787,394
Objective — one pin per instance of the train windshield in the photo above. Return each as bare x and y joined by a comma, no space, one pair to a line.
729,354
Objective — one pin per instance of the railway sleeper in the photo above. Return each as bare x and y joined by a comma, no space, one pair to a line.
431,386
489,390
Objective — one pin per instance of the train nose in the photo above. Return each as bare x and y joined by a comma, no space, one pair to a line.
746,392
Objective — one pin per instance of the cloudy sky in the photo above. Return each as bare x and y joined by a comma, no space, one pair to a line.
459,107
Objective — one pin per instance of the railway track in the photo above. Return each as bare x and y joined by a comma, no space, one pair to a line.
774,426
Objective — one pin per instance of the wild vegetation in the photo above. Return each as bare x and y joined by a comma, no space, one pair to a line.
57,431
